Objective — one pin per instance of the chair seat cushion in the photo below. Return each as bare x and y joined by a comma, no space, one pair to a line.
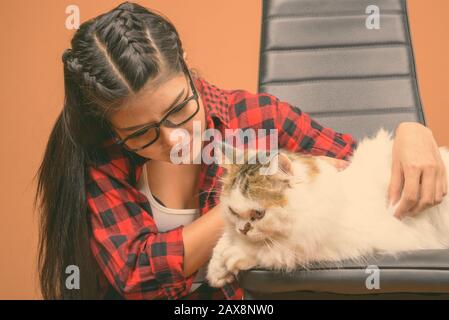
418,271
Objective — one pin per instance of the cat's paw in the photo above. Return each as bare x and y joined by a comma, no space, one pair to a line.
217,273
235,260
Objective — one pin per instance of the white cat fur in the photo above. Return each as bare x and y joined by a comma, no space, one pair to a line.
338,215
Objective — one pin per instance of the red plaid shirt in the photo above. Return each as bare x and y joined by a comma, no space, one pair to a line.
140,262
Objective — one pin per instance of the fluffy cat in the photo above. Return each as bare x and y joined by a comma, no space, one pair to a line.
308,211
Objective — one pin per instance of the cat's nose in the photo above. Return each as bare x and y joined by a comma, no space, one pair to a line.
246,228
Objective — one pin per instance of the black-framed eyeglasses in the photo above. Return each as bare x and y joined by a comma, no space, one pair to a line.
175,117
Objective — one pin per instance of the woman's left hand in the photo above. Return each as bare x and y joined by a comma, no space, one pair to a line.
417,172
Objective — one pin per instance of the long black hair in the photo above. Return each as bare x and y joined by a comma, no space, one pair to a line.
111,57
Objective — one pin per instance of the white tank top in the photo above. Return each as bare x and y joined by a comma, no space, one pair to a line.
168,219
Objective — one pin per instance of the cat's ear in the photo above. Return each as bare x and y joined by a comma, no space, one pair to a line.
280,163
284,164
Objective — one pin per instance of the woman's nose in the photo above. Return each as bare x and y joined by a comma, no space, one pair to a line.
173,136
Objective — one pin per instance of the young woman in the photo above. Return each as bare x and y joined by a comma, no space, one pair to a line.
113,204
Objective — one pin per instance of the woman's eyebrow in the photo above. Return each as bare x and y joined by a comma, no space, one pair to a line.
178,97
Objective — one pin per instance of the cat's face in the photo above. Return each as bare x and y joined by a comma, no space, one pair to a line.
252,201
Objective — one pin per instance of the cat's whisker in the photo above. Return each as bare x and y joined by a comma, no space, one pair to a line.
271,245
207,191
213,193
216,197
361,260
267,244
291,253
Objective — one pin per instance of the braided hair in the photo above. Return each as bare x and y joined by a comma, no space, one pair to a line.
112,56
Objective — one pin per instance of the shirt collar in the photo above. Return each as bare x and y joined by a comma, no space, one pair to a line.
216,104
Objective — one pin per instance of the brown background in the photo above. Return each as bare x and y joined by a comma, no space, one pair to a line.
222,42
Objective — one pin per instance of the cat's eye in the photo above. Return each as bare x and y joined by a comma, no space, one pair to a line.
233,212
258,214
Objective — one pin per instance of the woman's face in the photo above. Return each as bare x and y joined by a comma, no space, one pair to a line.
148,106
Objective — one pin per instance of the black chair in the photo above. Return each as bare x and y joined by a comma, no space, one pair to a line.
319,55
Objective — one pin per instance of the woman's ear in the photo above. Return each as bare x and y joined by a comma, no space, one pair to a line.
184,56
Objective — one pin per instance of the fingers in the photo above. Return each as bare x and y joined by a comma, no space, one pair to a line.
342,164
439,188
444,178
410,194
427,189
396,184
337,163
441,183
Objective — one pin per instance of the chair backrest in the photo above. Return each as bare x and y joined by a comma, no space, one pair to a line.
320,56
